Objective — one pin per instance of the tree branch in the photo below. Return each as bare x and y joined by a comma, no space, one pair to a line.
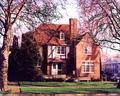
113,42
2,22
111,21
19,10
2,8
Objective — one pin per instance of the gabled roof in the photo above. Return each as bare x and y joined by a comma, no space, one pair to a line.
82,35
44,38
49,34
56,27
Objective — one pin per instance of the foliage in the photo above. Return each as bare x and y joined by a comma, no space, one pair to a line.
26,61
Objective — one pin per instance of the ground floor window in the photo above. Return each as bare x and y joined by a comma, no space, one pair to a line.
56,68
87,67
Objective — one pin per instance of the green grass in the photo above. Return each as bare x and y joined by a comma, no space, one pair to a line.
71,84
69,90
68,87
5,92
2,92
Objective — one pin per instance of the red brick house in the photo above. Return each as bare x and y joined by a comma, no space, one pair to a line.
88,58
66,53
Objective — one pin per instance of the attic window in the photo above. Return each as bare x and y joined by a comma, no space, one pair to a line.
88,50
62,36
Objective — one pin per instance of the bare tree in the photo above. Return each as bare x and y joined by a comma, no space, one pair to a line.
30,13
102,19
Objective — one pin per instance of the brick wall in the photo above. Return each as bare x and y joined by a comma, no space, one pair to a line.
81,57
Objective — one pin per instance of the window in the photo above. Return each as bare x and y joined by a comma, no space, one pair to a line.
62,36
87,67
58,50
88,50
59,68
61,50
54,66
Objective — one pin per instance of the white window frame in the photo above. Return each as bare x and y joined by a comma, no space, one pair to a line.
60,50
88,50
54,69
89,65
62,36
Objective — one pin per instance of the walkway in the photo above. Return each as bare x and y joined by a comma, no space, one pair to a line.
14,87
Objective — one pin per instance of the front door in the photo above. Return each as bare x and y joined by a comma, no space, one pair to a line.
54,69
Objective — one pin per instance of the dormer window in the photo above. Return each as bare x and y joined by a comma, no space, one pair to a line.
62,36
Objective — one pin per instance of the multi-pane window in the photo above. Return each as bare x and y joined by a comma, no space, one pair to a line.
62,36
87,67
61,50
88,50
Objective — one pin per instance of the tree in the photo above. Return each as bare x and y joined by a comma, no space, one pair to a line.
29,12
25,62
31,58
102,18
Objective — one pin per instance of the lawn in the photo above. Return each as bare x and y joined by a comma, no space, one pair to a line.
70,84
69,90
68,87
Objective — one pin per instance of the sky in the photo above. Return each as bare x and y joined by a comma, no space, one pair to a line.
71,11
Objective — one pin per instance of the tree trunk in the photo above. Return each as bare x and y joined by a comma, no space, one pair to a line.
4,70
7,42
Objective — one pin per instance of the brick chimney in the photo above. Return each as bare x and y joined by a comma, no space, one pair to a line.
73,28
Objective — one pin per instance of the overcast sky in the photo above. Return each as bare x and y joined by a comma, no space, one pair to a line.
70,12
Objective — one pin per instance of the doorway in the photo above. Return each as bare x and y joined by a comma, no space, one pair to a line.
56,69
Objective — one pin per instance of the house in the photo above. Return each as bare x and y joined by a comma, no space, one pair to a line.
111,68
88,58
66,53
